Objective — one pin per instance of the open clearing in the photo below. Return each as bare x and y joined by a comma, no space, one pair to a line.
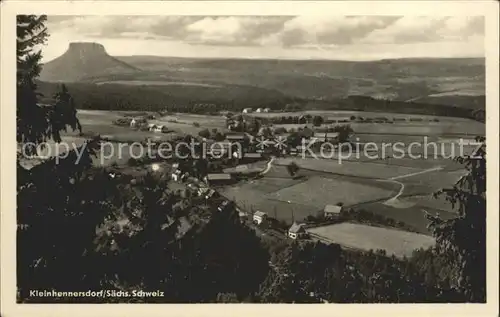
359,169
469,128
364,114
155,83
319,191
320,181
397,242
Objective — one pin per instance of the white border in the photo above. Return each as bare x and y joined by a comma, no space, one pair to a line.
424,8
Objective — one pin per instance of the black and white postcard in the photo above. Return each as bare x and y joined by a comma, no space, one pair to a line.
249,153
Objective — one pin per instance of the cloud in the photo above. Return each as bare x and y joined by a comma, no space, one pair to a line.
414,29
265,33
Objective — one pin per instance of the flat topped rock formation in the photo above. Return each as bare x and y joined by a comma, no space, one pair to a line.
83,60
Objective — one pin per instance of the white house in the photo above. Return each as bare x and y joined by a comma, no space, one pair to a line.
151,126
259,217
297,231
259,110
333,211
133,123
159,128
176,176
247,110
210,194
267,110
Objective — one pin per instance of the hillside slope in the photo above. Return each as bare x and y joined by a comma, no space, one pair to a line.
83,60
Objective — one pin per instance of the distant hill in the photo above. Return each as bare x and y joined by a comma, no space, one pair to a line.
396,79
457,82
83,60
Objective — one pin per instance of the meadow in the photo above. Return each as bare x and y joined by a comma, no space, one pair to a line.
357,181
394,242
319,192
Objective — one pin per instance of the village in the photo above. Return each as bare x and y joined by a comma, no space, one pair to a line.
241,155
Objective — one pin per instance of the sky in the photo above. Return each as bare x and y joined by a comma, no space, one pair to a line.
281,37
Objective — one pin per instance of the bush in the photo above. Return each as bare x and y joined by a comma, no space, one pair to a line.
318,121
196,124
132,162
204,133
280,130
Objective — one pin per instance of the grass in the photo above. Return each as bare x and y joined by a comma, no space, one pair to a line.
364,114
319,191
357,169
397,242
252,196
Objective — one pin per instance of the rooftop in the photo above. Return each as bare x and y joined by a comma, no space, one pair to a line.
219,176
296,228
260,214
252,155
334,209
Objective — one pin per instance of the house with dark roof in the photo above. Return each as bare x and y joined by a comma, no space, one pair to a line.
218,178
333,211
259,218
251,156
297,231
235,137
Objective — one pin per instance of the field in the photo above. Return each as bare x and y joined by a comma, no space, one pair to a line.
399,188
334,114
399,243
319,192
100,122
350,168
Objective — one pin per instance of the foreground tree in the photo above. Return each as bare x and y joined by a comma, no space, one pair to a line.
292,169
36,123
57,207
344,131
462,241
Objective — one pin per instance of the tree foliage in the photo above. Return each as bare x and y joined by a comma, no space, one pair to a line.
462,240
82,227
36,123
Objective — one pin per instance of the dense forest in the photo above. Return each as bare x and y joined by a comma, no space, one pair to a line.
194,252
191,99
198,99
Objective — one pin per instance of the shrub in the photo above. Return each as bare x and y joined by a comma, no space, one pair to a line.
204,133
196,124
132,162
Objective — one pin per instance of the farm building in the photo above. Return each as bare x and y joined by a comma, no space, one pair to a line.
253,155
211,193
202,191
332,211
247,110
151,126
223,205
133,123
235,137
338,119
260,217
158,128
218,178
176,176
297,231
258,110
267,110
326,135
